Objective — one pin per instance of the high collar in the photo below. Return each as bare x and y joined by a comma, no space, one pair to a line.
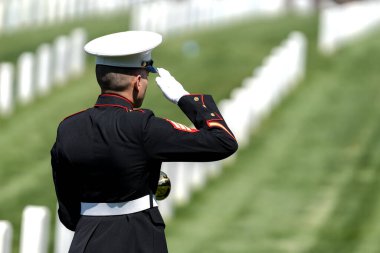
114,100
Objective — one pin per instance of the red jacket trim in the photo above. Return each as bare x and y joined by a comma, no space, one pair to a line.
74,114
181,127
217,124
116,95
112,105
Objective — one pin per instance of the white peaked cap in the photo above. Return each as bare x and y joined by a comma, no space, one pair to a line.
130,49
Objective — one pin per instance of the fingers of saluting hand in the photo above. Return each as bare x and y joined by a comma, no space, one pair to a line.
163,72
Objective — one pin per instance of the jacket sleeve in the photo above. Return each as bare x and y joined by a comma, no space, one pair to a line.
66,190
211,140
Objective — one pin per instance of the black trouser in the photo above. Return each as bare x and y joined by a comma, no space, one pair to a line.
141,232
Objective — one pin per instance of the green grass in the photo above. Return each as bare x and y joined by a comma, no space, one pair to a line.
227,55
28,39
309,181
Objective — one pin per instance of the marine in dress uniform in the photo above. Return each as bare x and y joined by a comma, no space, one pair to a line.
106,160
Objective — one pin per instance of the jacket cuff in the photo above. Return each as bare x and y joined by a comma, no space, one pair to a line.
199,108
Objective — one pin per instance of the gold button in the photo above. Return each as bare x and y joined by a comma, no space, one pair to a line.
196,99
212,114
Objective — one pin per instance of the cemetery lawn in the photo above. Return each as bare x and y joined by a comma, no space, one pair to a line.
306,183
310,179
224,58
28,39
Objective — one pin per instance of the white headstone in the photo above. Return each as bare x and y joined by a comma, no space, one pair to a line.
328,30
300,53
6,88
289,57
258,107
135,17
40,16
181,183
228,113
35,230
240,98
77,56
25,77
198,175
43,65
90,7
61,60
2,3
12,15
63,238
303,6
62,10
71,9
52,10
214,168
26,13
160,18
80,8
6,234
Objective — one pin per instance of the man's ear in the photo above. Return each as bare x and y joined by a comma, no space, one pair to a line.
137,82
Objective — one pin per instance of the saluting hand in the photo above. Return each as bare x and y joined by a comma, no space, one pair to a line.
170,87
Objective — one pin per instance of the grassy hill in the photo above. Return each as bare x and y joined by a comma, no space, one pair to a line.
307,183
28,39
226,56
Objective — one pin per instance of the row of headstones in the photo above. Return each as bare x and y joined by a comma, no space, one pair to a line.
34,236
35,230
167,16
36,73
341,24
265,89
254,100
27,13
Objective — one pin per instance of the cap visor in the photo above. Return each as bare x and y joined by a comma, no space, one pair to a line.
151,69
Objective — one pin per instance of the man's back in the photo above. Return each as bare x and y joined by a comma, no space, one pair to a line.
103,147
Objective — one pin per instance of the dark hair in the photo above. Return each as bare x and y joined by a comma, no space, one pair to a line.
115,78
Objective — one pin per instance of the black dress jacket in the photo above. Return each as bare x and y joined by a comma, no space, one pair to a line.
113,152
